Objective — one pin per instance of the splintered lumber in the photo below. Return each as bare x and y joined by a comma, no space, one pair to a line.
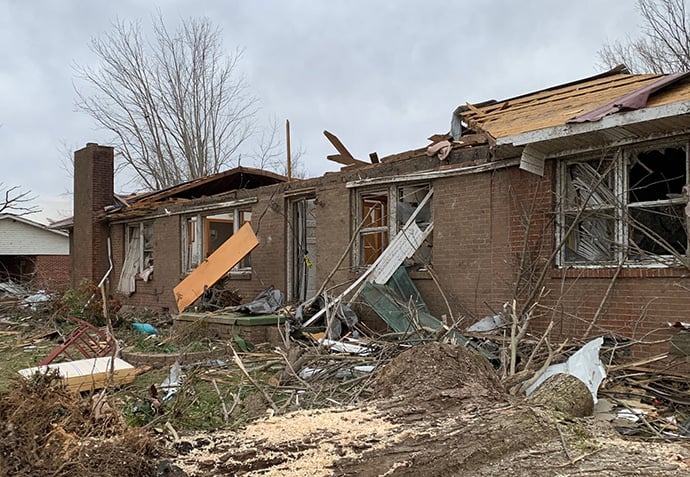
229,254
344,158
564,393
88,374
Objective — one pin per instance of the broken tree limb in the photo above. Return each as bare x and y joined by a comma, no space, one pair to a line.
433,276
240,365
226,416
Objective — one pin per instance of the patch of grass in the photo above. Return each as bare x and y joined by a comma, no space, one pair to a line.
14,357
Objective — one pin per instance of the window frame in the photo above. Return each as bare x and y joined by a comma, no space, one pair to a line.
199,225
144,251
621,158
392,193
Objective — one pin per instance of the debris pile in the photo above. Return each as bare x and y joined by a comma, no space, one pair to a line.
648,403
50,431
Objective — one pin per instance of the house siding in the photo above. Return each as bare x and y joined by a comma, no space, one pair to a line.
19,238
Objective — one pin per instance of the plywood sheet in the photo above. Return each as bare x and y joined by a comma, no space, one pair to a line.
555,106
88,374
229,254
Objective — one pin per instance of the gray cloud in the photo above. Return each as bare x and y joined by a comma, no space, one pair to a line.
382,75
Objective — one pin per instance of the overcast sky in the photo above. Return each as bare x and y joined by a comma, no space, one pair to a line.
381,75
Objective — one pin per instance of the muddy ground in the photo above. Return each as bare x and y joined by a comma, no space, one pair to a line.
439,410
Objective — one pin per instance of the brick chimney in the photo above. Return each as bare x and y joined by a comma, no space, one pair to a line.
93,190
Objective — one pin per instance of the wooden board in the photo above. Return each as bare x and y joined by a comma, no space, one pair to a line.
229,254
88,374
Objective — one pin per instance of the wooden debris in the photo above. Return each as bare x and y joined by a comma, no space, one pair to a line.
88,374
214,267
344,158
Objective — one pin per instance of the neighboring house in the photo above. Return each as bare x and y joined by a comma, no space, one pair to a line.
570,200
33,254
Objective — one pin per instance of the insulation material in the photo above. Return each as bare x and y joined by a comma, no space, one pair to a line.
88,374
229,254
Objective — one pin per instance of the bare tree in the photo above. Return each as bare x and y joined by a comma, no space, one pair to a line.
664,44
270,153
177,104
14,201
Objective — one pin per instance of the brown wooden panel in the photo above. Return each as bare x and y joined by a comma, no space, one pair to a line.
215,266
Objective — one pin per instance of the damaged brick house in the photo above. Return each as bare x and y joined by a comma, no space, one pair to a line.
572,200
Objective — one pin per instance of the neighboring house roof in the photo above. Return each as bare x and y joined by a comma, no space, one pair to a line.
21,236
589,99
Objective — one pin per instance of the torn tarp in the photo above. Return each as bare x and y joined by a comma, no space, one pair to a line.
585,365
266,302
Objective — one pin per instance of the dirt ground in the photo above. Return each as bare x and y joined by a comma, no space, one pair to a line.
439,410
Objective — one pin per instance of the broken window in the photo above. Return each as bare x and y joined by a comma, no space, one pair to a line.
656,203
380,221
203,234
138,261
628,208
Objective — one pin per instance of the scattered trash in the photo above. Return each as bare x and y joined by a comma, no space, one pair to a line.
171,384
344,347
11,288
489,323
36,300
145,328
266,302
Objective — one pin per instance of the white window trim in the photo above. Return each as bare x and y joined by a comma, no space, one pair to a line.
199,233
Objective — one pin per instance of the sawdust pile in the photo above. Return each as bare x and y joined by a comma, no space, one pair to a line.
49,431
440,410
302,443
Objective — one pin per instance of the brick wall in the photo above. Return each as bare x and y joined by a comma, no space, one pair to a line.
93,190
52,272
487,227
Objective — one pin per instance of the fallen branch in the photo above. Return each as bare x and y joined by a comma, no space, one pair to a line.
240,365
222,402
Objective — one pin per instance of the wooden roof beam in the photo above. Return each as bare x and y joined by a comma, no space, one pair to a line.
344,158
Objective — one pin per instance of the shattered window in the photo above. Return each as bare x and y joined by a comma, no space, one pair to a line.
629,208
589,212
383,213
409,198
656,204
147,246
140,252
138,262
203,234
